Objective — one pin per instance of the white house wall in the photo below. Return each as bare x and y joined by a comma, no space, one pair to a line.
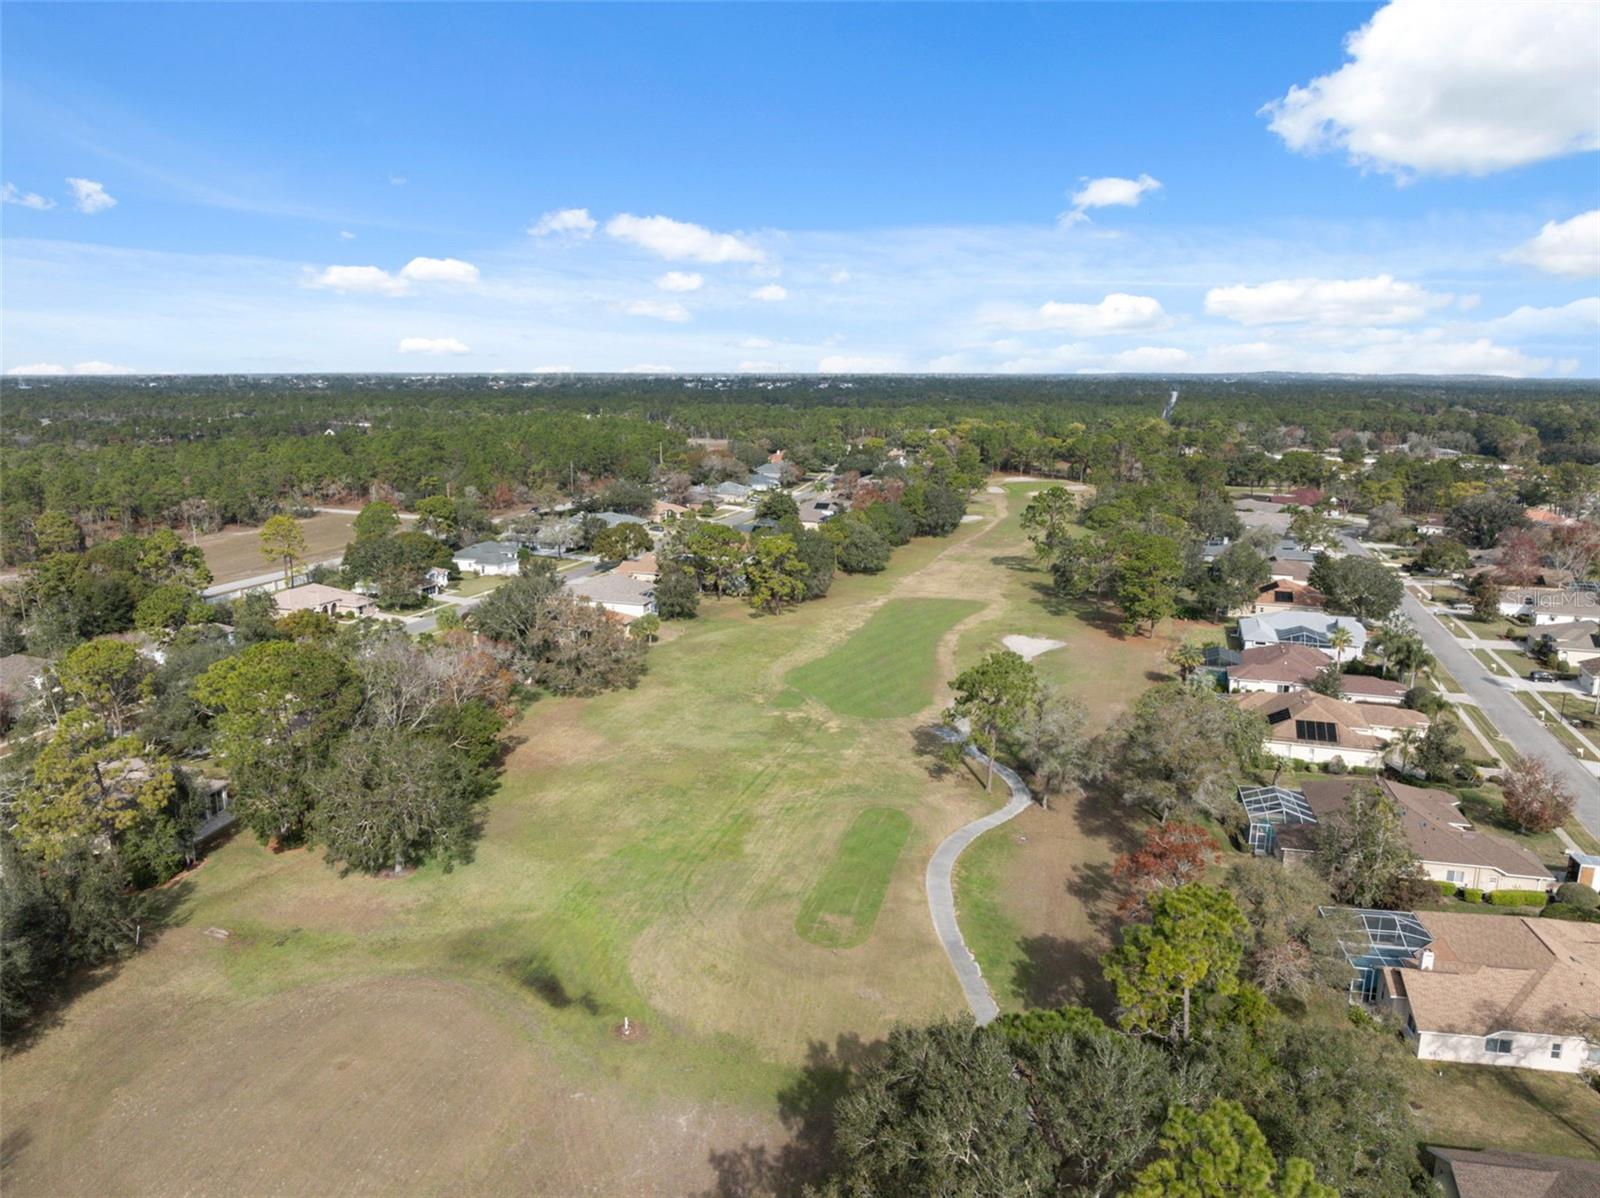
1529,1050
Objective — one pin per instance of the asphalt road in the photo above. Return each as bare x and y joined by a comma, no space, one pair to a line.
1499,702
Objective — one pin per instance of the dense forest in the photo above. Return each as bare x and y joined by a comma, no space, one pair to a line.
129,454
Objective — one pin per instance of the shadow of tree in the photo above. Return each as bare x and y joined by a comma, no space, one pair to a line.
1055,971
1015,561
806,1110
938,756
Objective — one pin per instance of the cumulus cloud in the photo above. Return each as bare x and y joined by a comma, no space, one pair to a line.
12,194
1116,313
346,235
1151,358
76,368
1580,316
564,222
432,345
440,270
1379,300
1108,192
681,280
358,280
770,294
90,197
1459,87
677,240
1566,247
668,310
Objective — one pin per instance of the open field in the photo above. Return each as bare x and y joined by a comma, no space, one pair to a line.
235,552
648,855
1471,1106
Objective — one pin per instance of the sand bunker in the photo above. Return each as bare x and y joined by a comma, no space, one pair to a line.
995,490
1030,647
971,518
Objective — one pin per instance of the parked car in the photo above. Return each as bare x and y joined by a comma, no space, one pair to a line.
1541,676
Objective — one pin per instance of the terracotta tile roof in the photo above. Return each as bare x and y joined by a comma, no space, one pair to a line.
1280,663
1519,1174
643,564
1506,973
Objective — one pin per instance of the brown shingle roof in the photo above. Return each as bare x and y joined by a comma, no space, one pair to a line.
1281,712
1519,1174
1280,663
1364,686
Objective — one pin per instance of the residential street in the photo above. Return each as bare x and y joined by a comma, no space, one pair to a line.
1497,699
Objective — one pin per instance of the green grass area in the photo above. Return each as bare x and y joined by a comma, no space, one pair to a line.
477,584
1482,805
1486,730
1455,627
843,905
1492,663
1517,1110
886,667
993,935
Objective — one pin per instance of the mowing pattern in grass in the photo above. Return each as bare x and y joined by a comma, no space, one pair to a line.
886,668
843,905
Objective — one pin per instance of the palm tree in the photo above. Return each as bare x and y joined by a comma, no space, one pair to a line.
1409,653
1339,640
1407,743
1187,657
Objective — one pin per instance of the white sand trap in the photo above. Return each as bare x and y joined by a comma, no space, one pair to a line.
995,490
1024,478
971,518
1029,647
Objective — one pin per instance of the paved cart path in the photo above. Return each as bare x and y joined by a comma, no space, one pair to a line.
941,892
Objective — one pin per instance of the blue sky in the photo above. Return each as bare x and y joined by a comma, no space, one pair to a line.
1410,187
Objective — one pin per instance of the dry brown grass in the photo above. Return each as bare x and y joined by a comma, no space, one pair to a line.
235,552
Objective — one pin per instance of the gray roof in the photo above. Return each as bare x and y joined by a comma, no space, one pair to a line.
772,470
613,519
613,588
1299,628
1290,550
738,490
488,552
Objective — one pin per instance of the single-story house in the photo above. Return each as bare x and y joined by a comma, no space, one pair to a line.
1369,688
643,567
1285,594
628,597
216,811
1293,569
762,482
612,519
1290,550
434,580
1589,677
771,473
668,511
815,512
1583,868
1573,641
1550,605
1214,548
1463,1173
1431,526
1277,668
732,492
489,557
1300,628
1306,726
1501,990
331,601
1283,824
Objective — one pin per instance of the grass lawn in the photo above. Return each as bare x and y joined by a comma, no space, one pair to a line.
477,584
843,905
1491,662
1455,627
887,666
1557,728
1443,679
1520,1110
1486,730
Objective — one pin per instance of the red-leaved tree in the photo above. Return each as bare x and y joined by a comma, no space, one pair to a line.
1536,801
1170,855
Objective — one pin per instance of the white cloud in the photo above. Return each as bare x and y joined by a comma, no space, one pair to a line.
770,294
440,270
1454,87
839,277
565,222
761,367
397,180
346,235
756,343
1468,302
669,310
358,280
1116,313
1108,192
90,197
1378,300
77,368
648,368
1580,316
1151,358
12,194
676,239
432,345
681,280
1567,247
857,364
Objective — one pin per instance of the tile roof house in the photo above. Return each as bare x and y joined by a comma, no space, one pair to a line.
663,509
332,601
1279,668
1463,1173
1444,840
1285,594
643,567
1501,990
1290,568
489,557
814,512
1306,726
627,597
1369,688
1299,628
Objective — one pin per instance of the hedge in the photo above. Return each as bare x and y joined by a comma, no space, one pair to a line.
1472,894
1567,911
1576,894
1516,898
1448,889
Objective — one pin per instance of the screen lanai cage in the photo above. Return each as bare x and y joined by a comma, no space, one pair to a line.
1269,808
1373,941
